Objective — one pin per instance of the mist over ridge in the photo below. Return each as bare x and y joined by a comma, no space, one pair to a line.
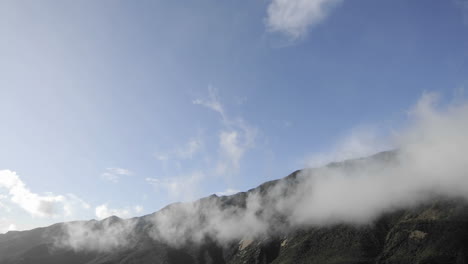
394,206
428,162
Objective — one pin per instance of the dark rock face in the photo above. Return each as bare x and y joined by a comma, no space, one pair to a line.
430,233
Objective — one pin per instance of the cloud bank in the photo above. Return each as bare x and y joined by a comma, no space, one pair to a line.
294,17
430,161
99,236
45,205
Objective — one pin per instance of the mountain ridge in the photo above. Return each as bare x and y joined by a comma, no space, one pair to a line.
435,231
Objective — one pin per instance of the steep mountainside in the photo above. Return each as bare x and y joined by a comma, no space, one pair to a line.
435,231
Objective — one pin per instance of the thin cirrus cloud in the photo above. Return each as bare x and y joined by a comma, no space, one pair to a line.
212,102
295,17
46,205
114,174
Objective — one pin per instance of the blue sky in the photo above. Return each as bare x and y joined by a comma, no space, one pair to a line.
121,107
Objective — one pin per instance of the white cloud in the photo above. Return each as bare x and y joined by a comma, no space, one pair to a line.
102,236
430,160
295,17
229,144
114,174
233,144
46,205
235,138
3,206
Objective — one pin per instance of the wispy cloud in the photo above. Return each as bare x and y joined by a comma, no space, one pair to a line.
295,17
45,205
212,102
235,138
114,174
233,143
229,144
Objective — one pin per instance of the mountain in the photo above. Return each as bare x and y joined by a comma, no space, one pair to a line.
432,231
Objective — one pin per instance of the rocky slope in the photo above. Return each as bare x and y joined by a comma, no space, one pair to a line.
432,232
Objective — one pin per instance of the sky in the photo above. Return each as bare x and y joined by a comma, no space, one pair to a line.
122,107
